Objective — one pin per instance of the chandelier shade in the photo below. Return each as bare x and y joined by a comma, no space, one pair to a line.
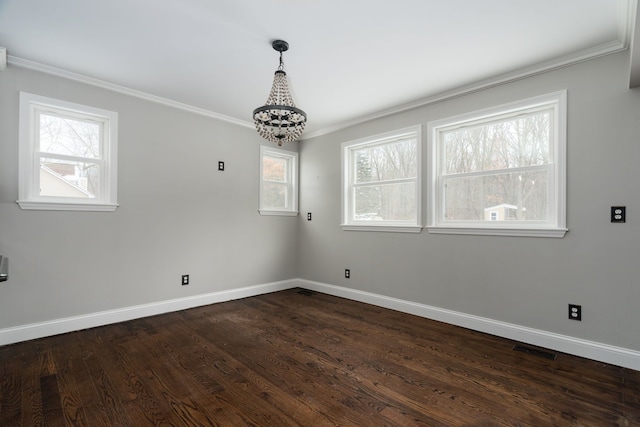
279,120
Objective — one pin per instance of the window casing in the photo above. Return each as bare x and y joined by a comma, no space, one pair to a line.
67,156
381,182
278,182
500,171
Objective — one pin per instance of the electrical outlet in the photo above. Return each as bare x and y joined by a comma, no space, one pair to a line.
309,216
618,213
220,166
185,279
347,273
575,312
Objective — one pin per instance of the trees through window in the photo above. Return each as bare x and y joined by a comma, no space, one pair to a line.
502,168
67,155
278,182
381,181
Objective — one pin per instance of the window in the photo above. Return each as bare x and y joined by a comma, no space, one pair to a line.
67,156
381,182
500,171
278,182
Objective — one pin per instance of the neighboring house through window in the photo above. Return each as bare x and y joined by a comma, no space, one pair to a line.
67,155
501,170
278,182
381,182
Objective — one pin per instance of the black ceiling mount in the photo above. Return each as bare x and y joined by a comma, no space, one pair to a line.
280,45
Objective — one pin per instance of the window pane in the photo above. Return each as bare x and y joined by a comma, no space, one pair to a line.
68,136
392,202
63,178
278,182
394,160
501,197
512,143
274,169
274,195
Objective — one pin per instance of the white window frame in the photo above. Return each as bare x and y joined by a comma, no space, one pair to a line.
556,224
349,223
29,157
291,159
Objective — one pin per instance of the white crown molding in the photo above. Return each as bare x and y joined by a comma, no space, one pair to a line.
553,64
522,73
579,347
24,63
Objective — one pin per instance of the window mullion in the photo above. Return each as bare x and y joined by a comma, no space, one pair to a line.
44,154
273,181
384,182
495,171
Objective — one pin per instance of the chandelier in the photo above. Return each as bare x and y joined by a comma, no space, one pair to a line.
279,120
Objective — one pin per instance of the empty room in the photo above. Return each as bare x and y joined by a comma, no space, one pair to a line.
336,213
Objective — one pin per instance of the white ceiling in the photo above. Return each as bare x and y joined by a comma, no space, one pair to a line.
349,60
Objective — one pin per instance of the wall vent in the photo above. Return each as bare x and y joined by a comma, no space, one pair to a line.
535,352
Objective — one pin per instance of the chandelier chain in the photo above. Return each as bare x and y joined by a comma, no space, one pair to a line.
281,66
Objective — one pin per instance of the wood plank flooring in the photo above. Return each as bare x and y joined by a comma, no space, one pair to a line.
290,359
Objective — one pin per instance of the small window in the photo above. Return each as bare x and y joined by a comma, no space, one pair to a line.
381,182
67,156
500,171
278,182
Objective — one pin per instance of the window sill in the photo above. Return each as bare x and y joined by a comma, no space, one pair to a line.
277,213
519,232
383,228
62,206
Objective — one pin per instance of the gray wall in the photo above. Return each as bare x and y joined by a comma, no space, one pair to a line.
177,215
521,280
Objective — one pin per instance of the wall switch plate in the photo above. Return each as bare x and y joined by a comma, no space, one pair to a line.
618,213
575,312
309,216
347,273
220,166
185,279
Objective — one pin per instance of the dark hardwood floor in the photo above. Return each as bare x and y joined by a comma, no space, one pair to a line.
290,359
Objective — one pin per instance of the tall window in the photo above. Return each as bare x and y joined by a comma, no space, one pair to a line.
381,182
278,182
67,155
500,171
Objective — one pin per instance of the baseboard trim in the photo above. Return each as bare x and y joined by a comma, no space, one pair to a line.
579,347
76,323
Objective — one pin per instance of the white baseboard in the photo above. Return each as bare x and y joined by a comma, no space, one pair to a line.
76,323
590,349
579,347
